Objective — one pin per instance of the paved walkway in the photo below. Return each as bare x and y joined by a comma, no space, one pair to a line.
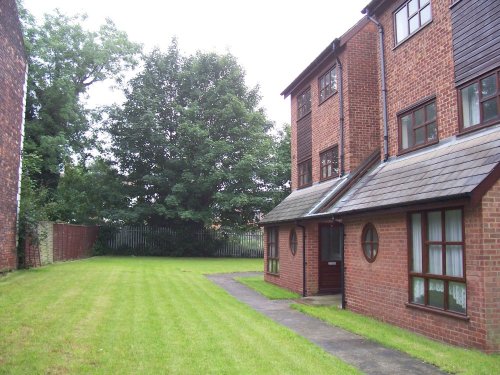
369,357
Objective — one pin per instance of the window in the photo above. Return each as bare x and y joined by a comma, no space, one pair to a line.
411,17
418,126
305,175
369,241
293,242
273,254
480,101
329,163
304,104
327,84
437,273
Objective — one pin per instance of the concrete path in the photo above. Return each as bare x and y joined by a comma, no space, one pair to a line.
369,357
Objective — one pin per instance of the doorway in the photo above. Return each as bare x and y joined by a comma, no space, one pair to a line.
330,243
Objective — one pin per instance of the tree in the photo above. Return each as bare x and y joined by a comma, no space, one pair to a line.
64,61
192,142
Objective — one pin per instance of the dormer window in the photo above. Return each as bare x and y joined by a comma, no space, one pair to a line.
304,103
410,18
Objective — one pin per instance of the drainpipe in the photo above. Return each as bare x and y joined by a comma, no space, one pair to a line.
335,45
384,89
304,263
21,144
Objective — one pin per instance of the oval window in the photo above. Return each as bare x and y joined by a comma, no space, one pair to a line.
369,241
293,241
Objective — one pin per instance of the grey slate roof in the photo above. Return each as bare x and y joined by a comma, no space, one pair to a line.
448,170
303,202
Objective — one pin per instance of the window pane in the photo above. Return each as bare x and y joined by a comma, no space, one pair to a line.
425,15
453,224
412,6
423,2
431,132
416,231
417,290
406,132
489,86
434,226
367,249
435,259
401,25
436,293
333,78
457,297
419,117
430,111
490,109
419,136
470,105
414,23
454,260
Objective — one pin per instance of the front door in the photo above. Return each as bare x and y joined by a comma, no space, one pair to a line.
330,258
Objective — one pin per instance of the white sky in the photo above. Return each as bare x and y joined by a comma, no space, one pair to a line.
274,40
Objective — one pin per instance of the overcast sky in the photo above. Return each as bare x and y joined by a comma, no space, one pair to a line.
274,40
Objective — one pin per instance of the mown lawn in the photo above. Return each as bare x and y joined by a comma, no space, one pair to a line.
110,315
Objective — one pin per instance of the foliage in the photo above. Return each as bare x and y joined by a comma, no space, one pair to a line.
268,290
192,143
448,358
109,315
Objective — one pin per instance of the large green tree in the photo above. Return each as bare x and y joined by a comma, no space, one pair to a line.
192,141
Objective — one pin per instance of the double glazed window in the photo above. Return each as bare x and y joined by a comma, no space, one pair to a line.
437,277
418,126
327,84
273,253
411,17
480,101
369,241
304,103
329,163
305,173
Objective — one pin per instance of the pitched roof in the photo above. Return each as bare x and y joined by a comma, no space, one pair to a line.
451,169
303,202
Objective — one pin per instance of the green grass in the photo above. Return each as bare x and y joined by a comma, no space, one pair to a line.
117,315
448,358
268,290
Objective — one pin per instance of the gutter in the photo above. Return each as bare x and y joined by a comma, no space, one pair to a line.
335,46
384,88
304,263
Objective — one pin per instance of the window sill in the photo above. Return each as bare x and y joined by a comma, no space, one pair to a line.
326,99
437,311
415,148
304,116
304,186
272,274
464,131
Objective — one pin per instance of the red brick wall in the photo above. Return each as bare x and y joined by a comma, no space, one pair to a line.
491,263
361,129
12,78
420,67
380,289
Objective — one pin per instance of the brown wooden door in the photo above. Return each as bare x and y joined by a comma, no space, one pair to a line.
330,257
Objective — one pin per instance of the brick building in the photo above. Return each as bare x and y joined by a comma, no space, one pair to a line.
13,67
395,197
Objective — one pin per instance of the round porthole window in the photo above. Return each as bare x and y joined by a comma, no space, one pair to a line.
369,242
293,241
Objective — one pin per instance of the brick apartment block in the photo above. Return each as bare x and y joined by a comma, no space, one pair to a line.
13,65
406,226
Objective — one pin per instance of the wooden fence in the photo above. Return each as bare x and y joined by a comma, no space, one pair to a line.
147,240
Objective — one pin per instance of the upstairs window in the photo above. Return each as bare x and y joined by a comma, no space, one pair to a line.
304,104
480,101
418,126
411,17
273,253
305,173
327,84
329,163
